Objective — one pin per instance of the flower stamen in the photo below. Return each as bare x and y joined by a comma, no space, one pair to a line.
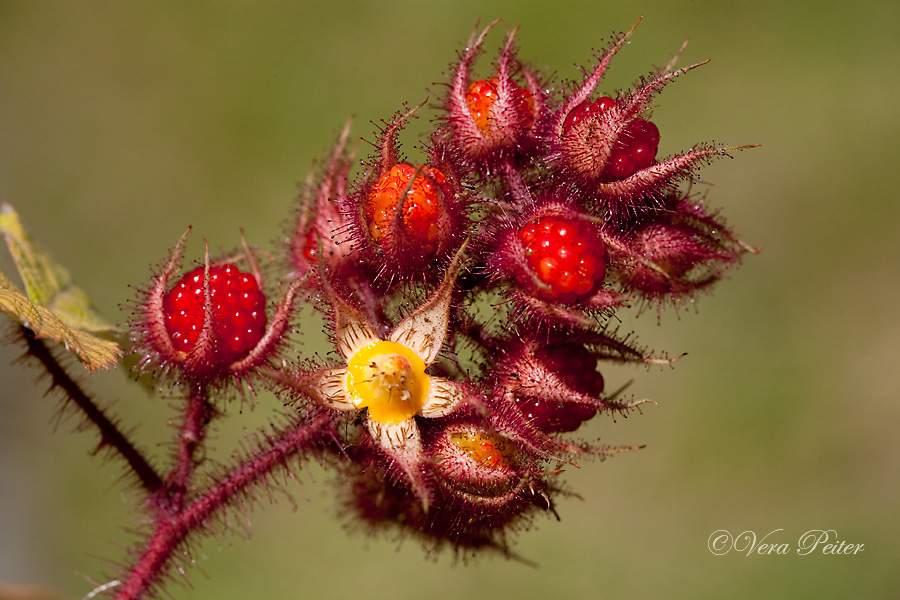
389,380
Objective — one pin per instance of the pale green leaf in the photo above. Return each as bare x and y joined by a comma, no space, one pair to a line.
54,306
47,283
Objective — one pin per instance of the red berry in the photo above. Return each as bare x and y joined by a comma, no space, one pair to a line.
421,207
566,254
238,315
576,366
586,110
634,149
482,96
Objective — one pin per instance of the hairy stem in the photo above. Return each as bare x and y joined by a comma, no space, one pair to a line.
516,184
172,530
193,430
111,436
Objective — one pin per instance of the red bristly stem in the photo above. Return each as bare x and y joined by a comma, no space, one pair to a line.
171,530
110,434
193,429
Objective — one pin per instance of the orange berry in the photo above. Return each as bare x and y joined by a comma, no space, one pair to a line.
421,202
482,96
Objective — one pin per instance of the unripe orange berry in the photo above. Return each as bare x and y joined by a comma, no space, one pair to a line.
482,97
421,203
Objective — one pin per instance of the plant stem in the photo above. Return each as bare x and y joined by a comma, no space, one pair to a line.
171,530
111,435
193,430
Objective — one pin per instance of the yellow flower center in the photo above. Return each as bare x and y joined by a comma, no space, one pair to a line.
389,380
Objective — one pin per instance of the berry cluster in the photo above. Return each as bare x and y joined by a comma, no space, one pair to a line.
559,210
412,191
482,102
469,295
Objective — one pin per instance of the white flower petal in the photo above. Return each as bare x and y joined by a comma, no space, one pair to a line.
352,330
352,335
443,398
402,442
328,387
396,437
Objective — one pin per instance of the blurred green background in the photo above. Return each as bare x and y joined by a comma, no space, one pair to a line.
122,123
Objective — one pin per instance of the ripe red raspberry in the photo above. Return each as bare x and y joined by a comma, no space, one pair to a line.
566,254
421,207
635,147
577,367
482,96
238,315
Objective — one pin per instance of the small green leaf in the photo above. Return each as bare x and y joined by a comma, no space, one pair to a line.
54,306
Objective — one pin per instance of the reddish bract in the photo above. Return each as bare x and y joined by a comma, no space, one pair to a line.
577,368
634,149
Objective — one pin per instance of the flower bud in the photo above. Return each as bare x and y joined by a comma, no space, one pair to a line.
320,225
477,462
